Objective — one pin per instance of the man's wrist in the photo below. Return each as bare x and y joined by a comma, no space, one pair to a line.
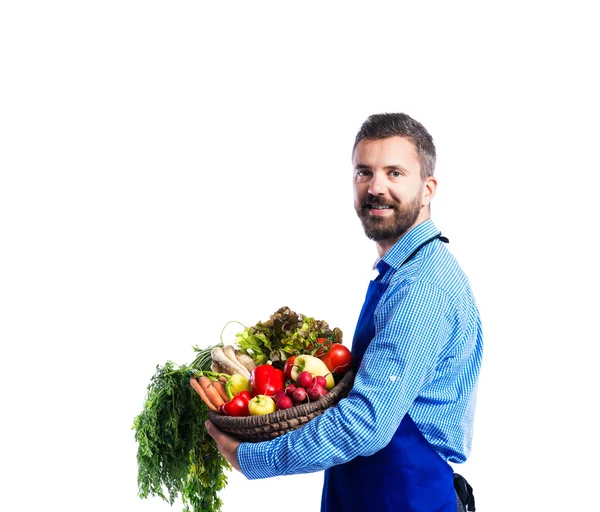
253,461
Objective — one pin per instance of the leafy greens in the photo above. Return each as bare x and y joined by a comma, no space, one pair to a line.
176,456
285,334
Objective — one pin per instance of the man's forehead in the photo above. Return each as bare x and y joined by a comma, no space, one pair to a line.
394,148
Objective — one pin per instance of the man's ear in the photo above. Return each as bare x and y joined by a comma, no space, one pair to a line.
429,189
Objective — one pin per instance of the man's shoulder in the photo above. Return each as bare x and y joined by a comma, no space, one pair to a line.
433,267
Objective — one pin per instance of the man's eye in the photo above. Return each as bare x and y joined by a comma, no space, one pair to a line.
363,173
395,174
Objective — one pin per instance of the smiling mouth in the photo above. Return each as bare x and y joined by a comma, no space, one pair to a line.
368,205
377,211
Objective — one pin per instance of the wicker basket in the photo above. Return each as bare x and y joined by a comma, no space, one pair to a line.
269,426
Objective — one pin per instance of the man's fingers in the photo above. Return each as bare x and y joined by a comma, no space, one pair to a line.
226,444
211,429
216,434
220,437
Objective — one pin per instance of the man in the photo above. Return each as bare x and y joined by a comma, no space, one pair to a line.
417,349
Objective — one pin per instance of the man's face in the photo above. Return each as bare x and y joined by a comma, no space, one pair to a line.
389,195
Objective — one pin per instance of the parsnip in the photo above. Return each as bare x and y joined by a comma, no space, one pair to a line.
217,368
229,366
229,352
246,360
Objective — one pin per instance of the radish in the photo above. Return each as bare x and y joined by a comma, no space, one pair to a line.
299,395
284,402
321,381
315,392
278,393
289,391
304,379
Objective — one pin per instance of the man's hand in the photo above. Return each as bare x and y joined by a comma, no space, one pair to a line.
227,445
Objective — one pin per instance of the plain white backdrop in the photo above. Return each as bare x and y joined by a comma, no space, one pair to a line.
169,167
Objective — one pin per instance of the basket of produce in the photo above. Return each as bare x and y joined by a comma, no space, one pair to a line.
275,377
287,413
283,373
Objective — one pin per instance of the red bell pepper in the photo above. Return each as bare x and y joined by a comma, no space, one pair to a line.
245,395
266,379
238,405
287,367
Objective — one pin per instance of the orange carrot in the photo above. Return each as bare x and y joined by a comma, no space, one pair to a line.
194,383
211,392
220,387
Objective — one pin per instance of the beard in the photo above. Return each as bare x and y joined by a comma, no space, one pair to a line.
390,227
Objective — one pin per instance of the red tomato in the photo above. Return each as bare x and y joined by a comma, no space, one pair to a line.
319,348
338,359
287,367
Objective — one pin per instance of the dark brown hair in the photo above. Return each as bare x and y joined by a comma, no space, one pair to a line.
382,126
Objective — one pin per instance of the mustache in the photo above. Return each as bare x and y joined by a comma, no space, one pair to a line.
371,200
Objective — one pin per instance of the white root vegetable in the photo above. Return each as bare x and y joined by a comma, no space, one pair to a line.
229,352
218,368
218,356
246,360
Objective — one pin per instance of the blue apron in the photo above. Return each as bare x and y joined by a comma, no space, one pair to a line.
407,475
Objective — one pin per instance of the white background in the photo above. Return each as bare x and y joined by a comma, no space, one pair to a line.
169,166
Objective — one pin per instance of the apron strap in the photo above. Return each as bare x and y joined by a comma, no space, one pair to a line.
438,236
382,266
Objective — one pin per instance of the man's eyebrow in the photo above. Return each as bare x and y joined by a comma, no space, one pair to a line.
395,168
387,167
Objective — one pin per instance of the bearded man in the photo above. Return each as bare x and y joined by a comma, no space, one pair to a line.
417,351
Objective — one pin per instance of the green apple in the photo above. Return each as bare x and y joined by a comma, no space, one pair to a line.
314,366
236,384
261,404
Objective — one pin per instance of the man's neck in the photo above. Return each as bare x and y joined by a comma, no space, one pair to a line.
383,246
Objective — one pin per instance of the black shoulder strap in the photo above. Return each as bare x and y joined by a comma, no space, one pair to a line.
439,235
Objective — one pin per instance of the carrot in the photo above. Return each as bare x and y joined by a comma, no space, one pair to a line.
220,387
223,379
194,383
211,392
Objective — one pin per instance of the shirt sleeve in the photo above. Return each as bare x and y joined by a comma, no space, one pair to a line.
399,361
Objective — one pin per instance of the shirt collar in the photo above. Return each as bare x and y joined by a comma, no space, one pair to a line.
404,247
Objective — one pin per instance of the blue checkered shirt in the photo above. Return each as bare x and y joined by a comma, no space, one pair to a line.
424,360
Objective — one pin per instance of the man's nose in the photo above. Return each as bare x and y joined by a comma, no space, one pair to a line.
377,185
